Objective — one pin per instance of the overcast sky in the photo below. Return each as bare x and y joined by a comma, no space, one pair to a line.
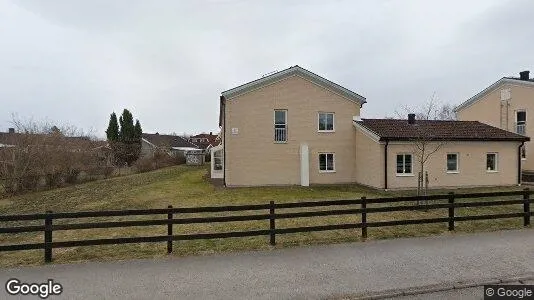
75,62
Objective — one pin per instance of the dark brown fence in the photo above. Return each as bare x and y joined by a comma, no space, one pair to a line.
361,209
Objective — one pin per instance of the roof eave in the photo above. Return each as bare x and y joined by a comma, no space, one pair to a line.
295,70
413,139
489,89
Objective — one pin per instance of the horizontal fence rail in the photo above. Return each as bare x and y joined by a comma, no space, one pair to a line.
358,207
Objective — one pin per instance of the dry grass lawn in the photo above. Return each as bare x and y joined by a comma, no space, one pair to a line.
183,186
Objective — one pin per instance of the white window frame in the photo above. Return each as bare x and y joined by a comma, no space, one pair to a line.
218,155
285,126
457,163
404,164
524,150
326,157
319,121
517,123
496,162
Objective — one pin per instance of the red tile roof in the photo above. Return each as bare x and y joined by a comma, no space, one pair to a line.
210,137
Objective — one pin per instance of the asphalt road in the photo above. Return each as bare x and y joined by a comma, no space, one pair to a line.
474,293
330,271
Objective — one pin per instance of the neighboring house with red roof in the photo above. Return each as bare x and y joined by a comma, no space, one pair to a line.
294,127
204,141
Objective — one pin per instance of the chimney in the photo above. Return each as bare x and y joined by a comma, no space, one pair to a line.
411,118
525,75
211,132
11,130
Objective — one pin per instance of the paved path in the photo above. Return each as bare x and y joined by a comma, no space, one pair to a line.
330,271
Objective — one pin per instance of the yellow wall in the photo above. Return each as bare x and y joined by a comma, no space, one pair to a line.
488,110
369,160
252,156
471,162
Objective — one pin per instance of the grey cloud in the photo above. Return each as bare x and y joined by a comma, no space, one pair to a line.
168,61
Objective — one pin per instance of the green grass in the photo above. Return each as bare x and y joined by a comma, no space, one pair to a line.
184,186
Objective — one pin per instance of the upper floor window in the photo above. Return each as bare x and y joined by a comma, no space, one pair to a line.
404,164
280,125
452,162
326,121
520,121
491,162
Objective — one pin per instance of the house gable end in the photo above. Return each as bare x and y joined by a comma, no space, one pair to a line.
501,82
287,73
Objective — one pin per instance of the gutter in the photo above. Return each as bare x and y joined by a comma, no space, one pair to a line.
223,111
519,163
386,165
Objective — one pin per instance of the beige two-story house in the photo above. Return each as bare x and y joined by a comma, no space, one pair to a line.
507,104
294,127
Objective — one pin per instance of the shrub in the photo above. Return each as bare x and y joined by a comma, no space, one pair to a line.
145,164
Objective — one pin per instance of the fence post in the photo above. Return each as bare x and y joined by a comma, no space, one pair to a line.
272,226
451,211
526,207
48,237
169,232
364,217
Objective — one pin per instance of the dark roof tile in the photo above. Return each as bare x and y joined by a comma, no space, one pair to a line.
395,129
164,140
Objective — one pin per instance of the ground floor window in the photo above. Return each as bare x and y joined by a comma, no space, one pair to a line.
217,160
452,162
404,163
326,162
491,162
523,152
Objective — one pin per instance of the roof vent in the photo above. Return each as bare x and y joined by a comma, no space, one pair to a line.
525,75
411,118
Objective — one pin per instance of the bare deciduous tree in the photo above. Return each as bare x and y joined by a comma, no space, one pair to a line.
425,144
39,153
433,109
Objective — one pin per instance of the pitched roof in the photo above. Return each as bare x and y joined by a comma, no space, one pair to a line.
295,70
491,88
210,137
164,140
401,130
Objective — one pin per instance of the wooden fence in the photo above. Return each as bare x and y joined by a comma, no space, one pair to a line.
361,209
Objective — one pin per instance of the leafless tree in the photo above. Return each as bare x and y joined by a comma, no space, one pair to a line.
425,144
433,109
39,153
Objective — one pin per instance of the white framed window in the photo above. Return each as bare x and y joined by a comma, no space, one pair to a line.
404,164
326,122
280,125
492,162
520,121
218,160
524,152
327,162
452,162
